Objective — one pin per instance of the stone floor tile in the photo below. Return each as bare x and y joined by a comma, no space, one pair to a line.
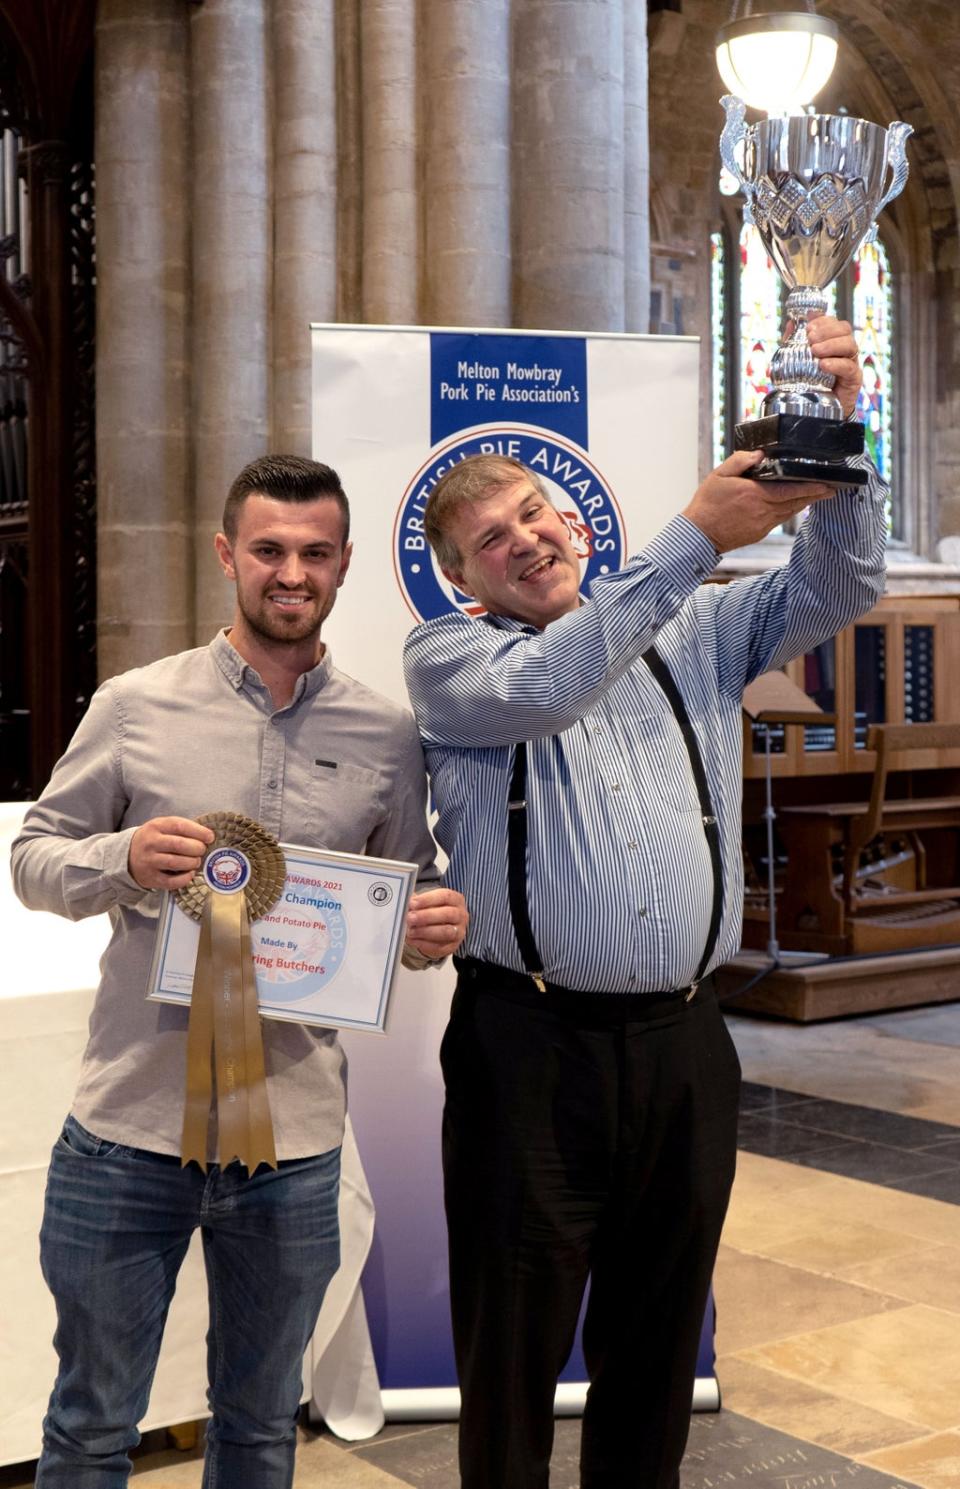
322,1464
933,1462
852,1059
891,1167
728,1451
837,1248
807,1412
929,1275
426,1457
775,1183
844,1200
940,1025
944,1147
895,1209
759,1132
942,1184
758,1098
759,1300
869,1123
904,1364
756,1226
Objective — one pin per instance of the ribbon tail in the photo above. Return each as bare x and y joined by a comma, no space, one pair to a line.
228,1028
261,1147
199,1087
246,1132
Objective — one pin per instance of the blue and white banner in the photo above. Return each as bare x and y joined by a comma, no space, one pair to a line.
610,423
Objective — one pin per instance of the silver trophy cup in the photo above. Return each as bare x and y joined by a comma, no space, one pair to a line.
814,186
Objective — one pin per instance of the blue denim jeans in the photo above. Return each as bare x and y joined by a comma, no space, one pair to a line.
116,1227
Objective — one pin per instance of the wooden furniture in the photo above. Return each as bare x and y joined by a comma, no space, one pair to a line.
866,858
832,988
772,700
898,664
884,817
881,899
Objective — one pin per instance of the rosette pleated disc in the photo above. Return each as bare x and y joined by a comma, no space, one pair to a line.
267,867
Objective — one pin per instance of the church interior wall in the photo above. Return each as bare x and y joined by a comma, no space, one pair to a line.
262,164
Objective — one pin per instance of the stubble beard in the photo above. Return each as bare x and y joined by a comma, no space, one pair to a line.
274,630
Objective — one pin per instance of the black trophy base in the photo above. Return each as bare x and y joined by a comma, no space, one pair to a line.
799,447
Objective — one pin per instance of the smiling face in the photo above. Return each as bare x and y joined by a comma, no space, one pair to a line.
516,558
288,560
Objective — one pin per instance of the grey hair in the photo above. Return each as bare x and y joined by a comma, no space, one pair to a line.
471,480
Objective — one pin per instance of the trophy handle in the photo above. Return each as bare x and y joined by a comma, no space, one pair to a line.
898,134
734,131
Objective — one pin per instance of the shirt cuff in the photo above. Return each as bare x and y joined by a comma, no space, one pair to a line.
101,876
115,865
416,961
682,552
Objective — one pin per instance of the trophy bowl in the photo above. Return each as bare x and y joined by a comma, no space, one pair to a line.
814,186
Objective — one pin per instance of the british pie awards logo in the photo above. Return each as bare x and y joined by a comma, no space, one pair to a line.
576,487
226,870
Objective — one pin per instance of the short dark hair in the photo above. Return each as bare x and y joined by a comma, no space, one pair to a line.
284,478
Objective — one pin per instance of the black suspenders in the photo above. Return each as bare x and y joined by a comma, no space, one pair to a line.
517,866
517,833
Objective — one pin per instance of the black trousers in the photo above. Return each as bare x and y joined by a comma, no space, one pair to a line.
582,1139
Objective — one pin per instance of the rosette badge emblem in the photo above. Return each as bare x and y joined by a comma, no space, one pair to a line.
814,186
226,870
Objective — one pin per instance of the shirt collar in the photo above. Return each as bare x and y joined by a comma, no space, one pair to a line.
238,672
507,622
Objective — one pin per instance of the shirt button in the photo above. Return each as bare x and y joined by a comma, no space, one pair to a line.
633,844
641,910
272,785
616,785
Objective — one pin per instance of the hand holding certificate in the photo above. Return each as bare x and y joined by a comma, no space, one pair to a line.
325,954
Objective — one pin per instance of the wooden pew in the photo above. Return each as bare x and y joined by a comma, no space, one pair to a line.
857,880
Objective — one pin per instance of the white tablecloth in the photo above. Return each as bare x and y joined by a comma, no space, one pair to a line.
47,987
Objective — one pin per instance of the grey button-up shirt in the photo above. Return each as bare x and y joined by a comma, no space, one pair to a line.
339,767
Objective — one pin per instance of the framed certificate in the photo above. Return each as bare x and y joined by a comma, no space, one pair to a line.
327,952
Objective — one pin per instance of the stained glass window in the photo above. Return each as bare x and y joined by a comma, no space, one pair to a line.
872,317
760,316
718,318
752,307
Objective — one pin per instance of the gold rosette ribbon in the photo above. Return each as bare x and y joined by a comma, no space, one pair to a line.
239,880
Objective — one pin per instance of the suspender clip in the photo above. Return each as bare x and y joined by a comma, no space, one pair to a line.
541,986
516,806
692,993
709,821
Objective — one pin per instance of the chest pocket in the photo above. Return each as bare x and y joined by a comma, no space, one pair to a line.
659,751
346,803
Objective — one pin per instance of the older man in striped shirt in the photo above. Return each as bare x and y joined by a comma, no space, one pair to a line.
585,758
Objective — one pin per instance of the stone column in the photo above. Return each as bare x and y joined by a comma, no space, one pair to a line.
568,188
349,162
144,563
305,205
465,129
636,149
232,270
389,123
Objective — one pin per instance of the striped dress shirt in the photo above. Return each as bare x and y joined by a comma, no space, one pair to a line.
619,878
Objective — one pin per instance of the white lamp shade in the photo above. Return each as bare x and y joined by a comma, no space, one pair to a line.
777,63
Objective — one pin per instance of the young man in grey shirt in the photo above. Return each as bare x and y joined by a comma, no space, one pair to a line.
261,723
